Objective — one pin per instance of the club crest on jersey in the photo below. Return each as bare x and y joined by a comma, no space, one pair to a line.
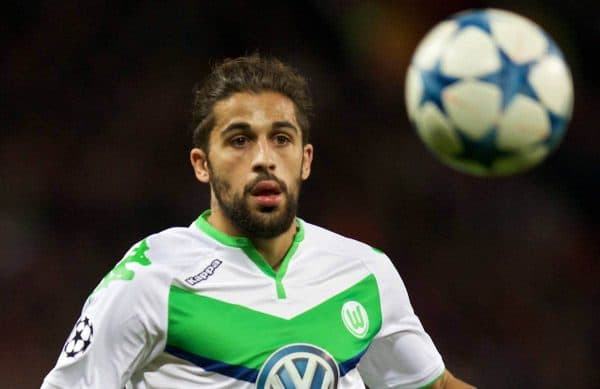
355,318
299,366
204,274
80,338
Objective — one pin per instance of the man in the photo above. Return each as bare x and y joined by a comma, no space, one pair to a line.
249,296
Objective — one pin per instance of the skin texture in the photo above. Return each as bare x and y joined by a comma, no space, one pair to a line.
448,381
256,139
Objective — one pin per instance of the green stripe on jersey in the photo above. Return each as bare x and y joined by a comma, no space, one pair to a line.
238,335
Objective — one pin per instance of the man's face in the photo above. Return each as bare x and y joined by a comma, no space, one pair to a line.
257,162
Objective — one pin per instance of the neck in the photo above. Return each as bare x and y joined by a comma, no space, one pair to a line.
272,250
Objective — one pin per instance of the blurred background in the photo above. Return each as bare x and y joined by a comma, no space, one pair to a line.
94,142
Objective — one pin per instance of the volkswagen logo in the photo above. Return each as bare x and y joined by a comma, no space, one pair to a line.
299,366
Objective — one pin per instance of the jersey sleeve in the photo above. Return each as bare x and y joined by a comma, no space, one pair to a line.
118,330
402,355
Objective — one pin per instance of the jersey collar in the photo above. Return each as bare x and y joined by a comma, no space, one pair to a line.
245,244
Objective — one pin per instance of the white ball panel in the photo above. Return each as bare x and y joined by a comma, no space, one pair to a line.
523,123
78,345
520,38
70,346
432,45
413,91
521,161
551,80
472,53
473,106
467,166
436,131
85,334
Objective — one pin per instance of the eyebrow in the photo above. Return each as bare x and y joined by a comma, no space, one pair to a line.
284,123
243,126
236,126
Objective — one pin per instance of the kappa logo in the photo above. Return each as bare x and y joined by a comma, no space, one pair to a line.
299,366
355,318
204,274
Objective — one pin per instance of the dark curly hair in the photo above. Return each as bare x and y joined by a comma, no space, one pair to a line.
248,74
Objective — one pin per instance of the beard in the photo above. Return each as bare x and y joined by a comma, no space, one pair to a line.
264,223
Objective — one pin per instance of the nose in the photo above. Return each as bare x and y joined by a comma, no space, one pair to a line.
264,160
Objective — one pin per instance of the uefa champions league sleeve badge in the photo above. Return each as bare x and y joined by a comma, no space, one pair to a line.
80,338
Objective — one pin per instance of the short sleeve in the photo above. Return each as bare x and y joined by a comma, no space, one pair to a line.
402,355
116,332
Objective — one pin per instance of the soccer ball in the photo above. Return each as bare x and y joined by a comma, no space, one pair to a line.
489,93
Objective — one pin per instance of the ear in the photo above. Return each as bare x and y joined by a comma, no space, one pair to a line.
199,160
307,157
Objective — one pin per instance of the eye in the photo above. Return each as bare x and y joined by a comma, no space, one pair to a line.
282,139
239,141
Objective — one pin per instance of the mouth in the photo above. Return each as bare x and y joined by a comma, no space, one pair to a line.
267,193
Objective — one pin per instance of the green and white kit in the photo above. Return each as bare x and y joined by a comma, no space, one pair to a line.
196,308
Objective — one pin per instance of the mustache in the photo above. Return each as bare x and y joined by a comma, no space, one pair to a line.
265,177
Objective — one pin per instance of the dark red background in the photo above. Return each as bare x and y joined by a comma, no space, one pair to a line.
94,156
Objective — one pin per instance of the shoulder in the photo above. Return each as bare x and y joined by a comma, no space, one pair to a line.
323,243
333,241
174,247
326,240
150,264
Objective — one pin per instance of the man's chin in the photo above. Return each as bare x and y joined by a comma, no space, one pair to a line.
268,222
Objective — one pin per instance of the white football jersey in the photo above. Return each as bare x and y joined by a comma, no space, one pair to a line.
194,307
